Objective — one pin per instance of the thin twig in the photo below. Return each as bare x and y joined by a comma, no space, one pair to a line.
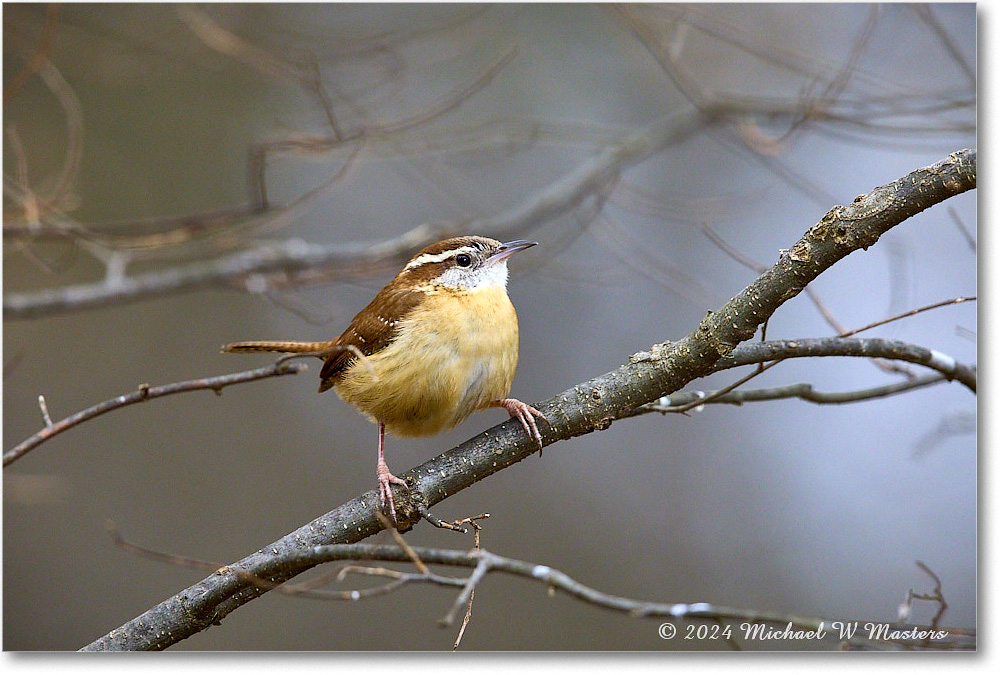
306,589
927,15
801,390
936,596
761,367
168,558
713,397
437,522
468,611
45,410
406,548
145,393
134,234
912,312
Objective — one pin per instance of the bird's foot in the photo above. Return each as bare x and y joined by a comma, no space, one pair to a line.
385,481
526,415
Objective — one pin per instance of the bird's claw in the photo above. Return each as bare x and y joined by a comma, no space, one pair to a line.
385,481
526,415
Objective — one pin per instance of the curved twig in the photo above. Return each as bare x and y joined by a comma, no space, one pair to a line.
146,393
758,352
800,390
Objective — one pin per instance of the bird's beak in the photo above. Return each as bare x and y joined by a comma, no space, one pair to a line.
510,248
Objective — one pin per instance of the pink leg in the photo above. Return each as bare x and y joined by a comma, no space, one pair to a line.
385,477
525,414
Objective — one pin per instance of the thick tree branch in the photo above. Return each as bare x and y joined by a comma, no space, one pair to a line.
586,407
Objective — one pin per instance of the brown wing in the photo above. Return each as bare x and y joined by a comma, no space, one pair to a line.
370,331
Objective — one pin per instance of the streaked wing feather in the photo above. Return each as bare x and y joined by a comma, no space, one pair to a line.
370,331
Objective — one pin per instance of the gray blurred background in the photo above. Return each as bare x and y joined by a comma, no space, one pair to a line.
783,506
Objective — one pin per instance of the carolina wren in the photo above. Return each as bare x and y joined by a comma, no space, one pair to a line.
439,343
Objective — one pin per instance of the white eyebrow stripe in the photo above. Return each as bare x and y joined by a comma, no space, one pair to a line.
438,257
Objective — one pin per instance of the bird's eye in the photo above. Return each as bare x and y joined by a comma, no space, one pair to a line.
463,259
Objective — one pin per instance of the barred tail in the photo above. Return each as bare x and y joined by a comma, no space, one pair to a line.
288,347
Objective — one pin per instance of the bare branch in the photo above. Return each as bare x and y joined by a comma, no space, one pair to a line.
146,393
912,312
285,257
882,364
937,595
346,260
484,562
45,410
748,354
681,401
762,352
892,108
589,406
759,268
477,528
715,396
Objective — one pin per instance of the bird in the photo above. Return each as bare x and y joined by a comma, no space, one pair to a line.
437,343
